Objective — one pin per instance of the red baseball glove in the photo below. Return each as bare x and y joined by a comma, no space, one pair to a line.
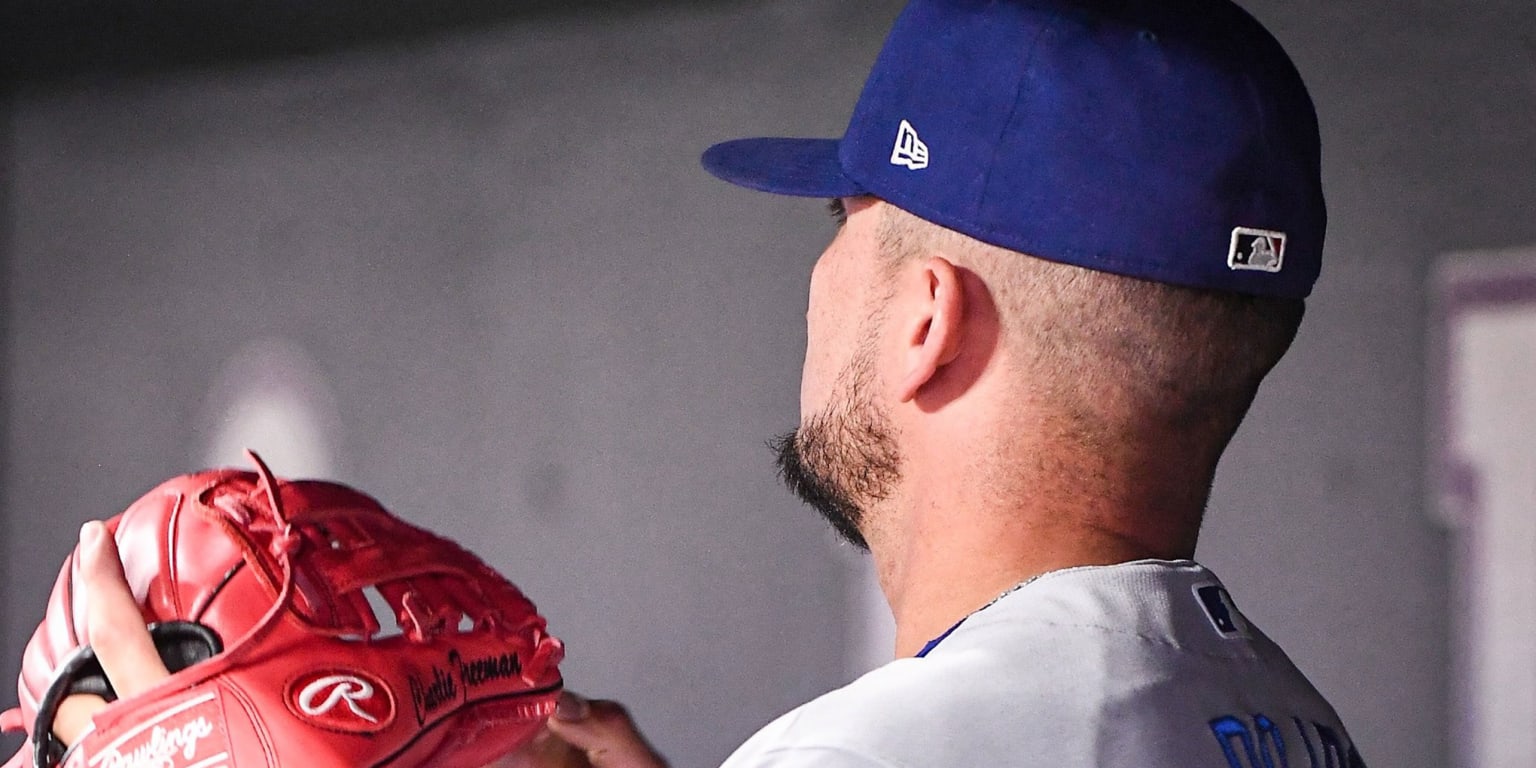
310,627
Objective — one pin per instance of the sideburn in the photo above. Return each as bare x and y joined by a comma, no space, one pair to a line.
845,459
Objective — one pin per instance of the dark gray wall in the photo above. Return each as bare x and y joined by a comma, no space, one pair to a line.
547,333
551,335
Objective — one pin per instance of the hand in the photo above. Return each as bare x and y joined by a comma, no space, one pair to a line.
587,734
116,629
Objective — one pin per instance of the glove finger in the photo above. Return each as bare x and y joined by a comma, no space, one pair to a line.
116,625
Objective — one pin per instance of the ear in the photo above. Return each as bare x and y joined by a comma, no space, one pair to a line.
932,327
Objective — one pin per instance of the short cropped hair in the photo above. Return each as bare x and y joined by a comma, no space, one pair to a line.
1114,353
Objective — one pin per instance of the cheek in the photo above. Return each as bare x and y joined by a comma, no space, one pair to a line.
815,376
823,339
835,315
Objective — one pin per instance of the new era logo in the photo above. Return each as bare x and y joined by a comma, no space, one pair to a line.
910,151
1257,249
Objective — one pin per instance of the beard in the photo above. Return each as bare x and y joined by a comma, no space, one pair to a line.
844,459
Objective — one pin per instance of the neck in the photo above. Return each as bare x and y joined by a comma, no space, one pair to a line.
960,536
940,583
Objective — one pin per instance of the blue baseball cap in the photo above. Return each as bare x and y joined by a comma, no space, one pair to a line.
1167,140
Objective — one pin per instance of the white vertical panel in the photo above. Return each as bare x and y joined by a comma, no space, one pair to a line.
1488,453
1495,434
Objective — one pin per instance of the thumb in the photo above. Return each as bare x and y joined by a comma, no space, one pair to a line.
114,629
604,731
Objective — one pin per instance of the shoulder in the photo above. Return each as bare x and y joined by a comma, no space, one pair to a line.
988,689
885,719
1078,668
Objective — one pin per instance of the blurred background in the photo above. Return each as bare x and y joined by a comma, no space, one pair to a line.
461,254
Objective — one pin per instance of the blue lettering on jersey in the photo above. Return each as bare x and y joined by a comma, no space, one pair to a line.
1270,741
1229,729
1262,745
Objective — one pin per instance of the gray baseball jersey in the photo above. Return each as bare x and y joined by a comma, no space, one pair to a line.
1146,664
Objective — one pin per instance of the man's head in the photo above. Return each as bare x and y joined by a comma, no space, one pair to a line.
1079,234
1089,368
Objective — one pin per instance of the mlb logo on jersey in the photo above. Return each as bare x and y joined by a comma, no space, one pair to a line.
1221,611
1260,250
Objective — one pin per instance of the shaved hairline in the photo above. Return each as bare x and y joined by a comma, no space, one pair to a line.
1115,353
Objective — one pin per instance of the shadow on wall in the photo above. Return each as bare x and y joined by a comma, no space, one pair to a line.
43,40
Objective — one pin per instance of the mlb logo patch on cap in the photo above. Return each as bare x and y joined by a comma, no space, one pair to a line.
1257,249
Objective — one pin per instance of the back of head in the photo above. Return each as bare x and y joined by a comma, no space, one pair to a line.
1141,181
1118,361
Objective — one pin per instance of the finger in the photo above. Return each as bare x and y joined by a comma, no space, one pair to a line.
114,623
604,731
115,628
73,718
545,751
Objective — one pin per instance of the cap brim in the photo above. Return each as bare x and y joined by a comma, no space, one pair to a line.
798,167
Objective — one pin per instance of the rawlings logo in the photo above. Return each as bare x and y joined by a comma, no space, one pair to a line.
171,739
337,688
344,701
161,749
